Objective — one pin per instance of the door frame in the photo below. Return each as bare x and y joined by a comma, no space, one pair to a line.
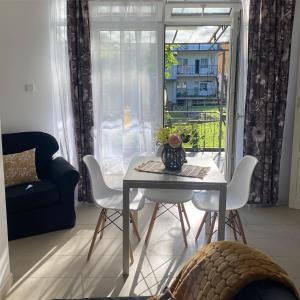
232,95
232,20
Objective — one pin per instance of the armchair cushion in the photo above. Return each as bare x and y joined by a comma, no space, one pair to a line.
44,143
30,196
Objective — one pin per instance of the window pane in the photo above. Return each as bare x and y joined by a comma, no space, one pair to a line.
186,10
204,62
129,37
109,36
213,10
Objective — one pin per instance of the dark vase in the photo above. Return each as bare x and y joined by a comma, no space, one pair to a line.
173,158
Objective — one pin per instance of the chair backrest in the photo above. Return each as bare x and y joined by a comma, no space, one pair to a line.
44,143
241,179
99,186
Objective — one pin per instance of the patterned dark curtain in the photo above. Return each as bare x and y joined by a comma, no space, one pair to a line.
78,30
270,32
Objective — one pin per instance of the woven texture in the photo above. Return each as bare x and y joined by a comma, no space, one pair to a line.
220,270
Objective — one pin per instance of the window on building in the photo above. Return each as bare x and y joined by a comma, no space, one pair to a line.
181,85
180,102
204,62
196,87
203,86
197,102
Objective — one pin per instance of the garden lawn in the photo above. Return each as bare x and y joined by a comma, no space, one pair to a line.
209,136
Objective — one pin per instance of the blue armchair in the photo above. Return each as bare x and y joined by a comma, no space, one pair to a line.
45,205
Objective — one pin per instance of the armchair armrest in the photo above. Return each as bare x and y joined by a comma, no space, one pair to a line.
63,174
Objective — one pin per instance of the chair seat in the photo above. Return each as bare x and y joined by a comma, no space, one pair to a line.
209,201
113,199
30,196
168,195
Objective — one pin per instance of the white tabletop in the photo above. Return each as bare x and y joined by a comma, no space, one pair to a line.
212,179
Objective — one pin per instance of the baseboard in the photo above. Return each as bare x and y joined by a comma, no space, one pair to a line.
4,288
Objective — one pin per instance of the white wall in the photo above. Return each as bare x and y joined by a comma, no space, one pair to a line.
5,275
25,58
285,168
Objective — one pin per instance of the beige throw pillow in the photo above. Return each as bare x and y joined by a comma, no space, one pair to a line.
19,168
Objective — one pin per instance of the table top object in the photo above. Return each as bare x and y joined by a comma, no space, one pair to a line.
187,170
213,177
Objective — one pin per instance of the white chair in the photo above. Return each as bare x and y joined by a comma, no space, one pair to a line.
169,196
109,199
237,196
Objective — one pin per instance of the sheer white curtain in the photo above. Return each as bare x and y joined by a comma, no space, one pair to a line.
62,120
127,55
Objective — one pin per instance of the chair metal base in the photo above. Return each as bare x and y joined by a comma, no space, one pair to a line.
182,214
102,224
233,221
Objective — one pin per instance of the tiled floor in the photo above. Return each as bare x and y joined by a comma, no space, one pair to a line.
54,265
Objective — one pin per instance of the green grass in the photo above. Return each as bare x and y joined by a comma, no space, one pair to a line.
197,108
208,131
209,136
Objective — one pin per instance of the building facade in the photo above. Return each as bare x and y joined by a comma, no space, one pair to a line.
196,79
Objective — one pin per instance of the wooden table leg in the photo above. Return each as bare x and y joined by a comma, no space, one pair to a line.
126,244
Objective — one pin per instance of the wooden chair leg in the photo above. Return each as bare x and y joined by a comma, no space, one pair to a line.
131,254
136,217
239,223
232,223
185,215
212,228
100,219
182,224
201,225
134,225
152,222
103,223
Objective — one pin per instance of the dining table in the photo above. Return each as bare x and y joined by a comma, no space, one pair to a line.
134,179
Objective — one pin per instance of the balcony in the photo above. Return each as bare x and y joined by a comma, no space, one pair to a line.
196,92
172,73
199,47
194,70
210,124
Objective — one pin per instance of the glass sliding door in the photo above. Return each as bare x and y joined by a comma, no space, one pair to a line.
201,84
204,34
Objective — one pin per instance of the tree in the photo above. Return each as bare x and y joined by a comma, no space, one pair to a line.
170,59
